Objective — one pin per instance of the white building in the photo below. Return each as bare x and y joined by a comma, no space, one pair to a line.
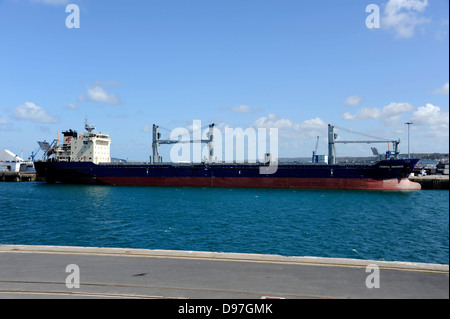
11,162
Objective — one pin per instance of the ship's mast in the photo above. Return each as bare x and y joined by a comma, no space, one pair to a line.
331,146
155,145
211,143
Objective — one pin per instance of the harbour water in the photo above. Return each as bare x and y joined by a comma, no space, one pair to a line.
389,226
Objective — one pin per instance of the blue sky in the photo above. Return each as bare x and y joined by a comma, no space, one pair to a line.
295,65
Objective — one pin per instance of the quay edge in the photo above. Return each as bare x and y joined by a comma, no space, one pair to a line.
39,272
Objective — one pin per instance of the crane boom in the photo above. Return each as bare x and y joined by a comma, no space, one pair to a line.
157,142
332,141
365,142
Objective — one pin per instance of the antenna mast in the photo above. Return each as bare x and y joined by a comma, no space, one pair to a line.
88,127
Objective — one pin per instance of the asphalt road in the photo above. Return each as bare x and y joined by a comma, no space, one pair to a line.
69,272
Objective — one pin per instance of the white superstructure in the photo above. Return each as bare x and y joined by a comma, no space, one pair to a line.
84,147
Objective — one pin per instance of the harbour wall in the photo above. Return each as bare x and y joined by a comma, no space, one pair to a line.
432,181
19,177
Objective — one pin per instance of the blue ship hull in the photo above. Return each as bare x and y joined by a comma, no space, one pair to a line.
384,175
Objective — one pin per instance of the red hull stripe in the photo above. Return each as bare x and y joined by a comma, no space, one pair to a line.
264,182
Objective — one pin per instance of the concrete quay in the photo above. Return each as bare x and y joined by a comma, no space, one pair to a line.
18,177
42,272
432,181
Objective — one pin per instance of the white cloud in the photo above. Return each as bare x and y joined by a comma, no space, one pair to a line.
98,95
3,121
438,131
242,109
312,124
72,106
290,132
444,90
429,115
442,33
362,114
354,100
390,114
147,129
272,121
396,108
403,16
31,112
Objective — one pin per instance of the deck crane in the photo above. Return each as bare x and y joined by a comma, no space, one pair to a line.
157,142
34,153
332,141
314,155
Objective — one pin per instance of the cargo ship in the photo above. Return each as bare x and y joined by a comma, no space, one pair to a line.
85,159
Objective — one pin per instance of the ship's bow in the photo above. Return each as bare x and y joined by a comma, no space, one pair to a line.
401,181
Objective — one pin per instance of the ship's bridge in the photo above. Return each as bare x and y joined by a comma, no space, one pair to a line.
85,147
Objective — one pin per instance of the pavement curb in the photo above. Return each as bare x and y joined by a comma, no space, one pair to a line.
231,257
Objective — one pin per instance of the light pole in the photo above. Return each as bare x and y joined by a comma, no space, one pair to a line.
409,124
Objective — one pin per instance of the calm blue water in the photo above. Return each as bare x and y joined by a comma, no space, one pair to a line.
412,226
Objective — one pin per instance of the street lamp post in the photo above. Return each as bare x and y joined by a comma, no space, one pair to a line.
409,124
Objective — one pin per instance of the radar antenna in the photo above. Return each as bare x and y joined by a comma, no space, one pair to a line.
87,126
